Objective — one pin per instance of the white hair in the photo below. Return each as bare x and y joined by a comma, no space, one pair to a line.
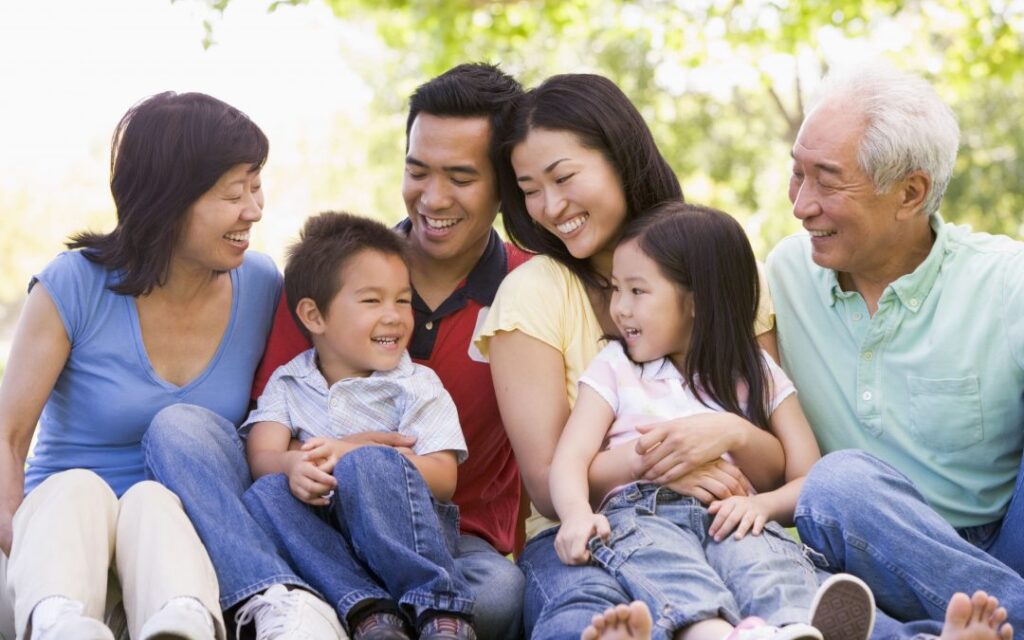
908,126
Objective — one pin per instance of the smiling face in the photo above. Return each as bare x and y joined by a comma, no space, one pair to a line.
216,231
853,229
369,321
571,190
653,315
450,189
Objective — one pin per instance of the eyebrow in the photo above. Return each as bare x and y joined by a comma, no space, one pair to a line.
455,168
547,169
827,167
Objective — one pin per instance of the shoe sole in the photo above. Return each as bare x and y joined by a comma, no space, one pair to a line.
844,608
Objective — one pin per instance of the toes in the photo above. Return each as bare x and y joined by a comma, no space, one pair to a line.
640,618
959,610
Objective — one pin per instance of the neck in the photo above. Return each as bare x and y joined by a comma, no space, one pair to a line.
908,251
433,279
186,283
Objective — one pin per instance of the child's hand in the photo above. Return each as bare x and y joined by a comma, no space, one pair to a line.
310,484
742,513
575,533
324,452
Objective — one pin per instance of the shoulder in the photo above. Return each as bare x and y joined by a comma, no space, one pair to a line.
539,272
260,266
516,256
790,253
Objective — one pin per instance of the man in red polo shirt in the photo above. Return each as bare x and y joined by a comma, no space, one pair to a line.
457,261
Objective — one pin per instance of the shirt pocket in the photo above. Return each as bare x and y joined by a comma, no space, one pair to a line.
945,413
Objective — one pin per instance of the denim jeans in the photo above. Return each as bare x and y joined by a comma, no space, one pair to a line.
381,537
198,455
660,551
868,519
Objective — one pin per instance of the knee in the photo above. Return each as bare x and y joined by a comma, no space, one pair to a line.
187,430
149,495
79,487
269,487
842,478
370,464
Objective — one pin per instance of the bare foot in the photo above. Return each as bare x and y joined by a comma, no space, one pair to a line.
976,618
624,622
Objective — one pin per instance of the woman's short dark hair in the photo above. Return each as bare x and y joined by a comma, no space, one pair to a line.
707,252
602,117
327,242
167,151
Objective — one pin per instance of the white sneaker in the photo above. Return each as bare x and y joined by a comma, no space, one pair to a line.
754,628
182,617
290,615
60,618
844,608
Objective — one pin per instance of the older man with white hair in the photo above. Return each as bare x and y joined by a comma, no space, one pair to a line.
905,335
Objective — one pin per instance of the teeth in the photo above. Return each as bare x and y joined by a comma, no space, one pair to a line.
238,236
571,225
440,223
815,233
385,340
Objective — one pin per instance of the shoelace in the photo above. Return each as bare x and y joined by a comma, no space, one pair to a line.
276,597
450,625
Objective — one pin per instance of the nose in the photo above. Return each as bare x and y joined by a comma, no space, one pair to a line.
436,195
554,203
805,203
619,305
253,210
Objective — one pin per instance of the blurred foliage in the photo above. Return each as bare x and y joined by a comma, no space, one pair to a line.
723,83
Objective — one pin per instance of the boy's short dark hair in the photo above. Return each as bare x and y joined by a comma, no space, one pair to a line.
326,243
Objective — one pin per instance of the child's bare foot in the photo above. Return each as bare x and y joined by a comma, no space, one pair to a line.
624,622
976,618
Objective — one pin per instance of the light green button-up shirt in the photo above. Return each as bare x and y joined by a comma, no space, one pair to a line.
933,382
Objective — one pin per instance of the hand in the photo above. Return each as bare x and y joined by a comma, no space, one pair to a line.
324,452
711,481
310,484
670,449
384,438
574,534
742,513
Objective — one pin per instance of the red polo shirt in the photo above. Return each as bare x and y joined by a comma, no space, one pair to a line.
488,481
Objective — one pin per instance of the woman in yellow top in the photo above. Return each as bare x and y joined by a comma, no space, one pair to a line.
580,163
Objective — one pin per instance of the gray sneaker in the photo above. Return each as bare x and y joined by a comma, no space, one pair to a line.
280,614
184,618
66,622
843,608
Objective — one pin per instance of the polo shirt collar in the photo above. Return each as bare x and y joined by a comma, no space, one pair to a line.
482,282
910,289
660,369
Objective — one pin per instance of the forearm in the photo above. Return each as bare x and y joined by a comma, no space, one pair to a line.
781,503
610,469
12,489
440,474
262,463
758,454
568,487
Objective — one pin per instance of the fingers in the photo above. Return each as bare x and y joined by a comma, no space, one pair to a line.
602,528
386,438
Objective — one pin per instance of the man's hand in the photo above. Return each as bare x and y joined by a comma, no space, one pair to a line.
711,481
668,450
574,534
739,513
309,483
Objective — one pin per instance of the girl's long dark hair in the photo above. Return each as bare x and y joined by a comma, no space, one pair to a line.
707,252
603,118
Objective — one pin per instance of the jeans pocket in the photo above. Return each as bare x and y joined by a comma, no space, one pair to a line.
626,539
780,542
945,413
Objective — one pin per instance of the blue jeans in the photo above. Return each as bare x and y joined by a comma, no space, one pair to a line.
867,519
197,454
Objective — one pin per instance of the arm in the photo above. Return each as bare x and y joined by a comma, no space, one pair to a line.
439,470
791,427
529,383
268,451
668,450
579,443
38,354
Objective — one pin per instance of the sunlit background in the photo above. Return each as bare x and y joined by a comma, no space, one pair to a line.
723,85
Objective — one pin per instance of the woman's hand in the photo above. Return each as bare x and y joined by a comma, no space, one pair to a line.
711,481
740,513
574,534
668,450
309,483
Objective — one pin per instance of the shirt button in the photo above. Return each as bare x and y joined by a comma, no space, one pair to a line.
867,396
913,303
334,403
857,317
429,326
868,355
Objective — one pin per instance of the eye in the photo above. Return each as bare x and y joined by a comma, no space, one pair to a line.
415,175
636,291
529,192
564,179
370,300
615,288
257,187
462,182
404,301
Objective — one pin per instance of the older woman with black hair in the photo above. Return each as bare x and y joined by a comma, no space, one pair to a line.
167,308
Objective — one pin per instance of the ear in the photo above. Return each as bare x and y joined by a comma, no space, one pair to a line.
914,189
310,316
